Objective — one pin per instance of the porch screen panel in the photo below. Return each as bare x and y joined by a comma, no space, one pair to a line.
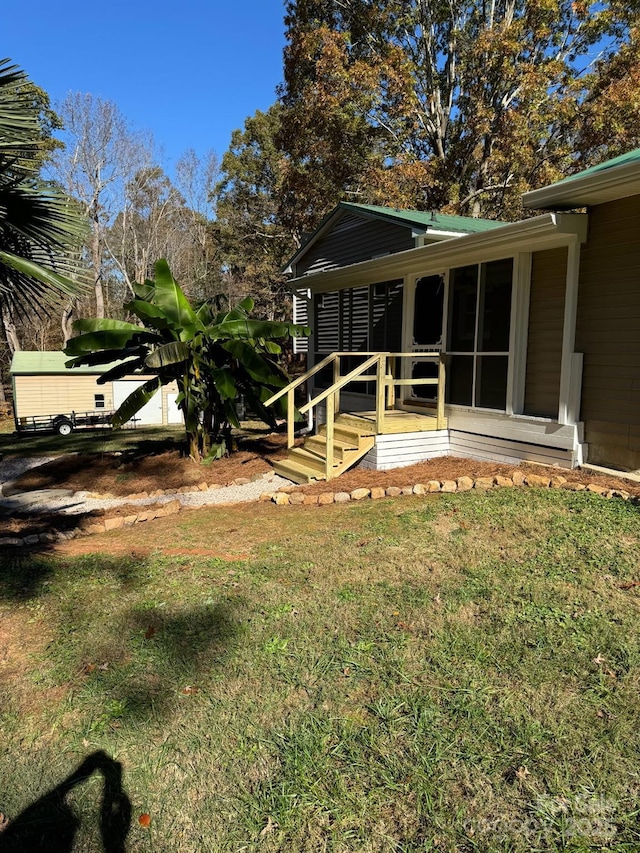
428,310
354,328
494,316
327,308
479,333
386,316
327,332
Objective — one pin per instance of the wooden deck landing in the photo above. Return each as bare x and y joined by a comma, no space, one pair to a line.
395,421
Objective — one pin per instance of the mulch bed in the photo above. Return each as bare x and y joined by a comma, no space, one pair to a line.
122,475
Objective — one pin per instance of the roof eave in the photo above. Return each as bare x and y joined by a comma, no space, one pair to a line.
516,236
616,182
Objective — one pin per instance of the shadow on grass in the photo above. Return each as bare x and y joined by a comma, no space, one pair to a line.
92,441
50,824
155,661
27,572
122,635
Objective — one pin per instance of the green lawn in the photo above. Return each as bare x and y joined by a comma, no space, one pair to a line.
88,441
450,673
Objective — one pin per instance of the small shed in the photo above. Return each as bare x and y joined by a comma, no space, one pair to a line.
43,386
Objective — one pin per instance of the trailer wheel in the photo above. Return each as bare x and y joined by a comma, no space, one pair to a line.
63,426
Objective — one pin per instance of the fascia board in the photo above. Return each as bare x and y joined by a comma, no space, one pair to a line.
546,231
617,182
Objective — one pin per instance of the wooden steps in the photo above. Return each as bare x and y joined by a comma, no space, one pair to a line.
353,439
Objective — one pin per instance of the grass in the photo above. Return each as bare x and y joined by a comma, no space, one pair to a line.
457,673
88,441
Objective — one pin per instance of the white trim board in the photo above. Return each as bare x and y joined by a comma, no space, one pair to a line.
397,451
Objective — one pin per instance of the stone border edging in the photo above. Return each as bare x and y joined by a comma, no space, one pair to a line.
289,496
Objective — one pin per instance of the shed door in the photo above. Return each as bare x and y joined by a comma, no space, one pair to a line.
149,414
174,415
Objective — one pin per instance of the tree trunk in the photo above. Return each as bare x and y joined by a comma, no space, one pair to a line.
96,260
66,322
10,331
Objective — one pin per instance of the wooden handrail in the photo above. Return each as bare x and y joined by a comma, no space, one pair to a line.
344,380
385,395
296,382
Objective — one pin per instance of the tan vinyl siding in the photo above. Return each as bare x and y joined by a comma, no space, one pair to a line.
354,239
544,344
608,333
53,394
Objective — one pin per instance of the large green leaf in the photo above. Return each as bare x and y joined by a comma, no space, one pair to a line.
92,341
252,329
170,299
144,291
101,324
224,383
175,352
135,401
132,366
48,277
259,368
149,313
106,356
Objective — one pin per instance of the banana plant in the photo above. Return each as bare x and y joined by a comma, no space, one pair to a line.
216,356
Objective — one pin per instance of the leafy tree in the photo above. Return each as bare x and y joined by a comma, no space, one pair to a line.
40,227
252,239
610,112
469,103
215,355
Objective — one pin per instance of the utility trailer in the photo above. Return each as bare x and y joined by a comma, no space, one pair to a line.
64,423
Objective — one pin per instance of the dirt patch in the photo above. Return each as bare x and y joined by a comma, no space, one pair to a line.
452,467
122,474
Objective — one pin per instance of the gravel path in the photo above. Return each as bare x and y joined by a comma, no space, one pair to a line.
12,468
80,502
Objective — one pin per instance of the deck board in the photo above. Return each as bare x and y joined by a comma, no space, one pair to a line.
396,421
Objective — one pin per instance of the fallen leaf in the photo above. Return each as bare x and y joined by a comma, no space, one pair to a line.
599,660
104,667
149,632
144,820
4,822
88,668
270,827
522,773
629,584
189,689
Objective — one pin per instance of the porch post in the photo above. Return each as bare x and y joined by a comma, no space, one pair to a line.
567,371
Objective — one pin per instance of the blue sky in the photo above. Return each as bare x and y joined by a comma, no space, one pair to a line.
189,71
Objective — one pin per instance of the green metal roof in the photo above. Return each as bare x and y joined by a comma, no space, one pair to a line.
34,362
426,218
623,160
423,220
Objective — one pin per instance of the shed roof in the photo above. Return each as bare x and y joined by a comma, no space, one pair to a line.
34,362
615,178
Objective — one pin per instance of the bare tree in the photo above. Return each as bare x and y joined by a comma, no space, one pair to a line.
100,157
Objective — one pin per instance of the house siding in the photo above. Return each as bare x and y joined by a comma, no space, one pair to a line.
608,333
544,342
354,239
